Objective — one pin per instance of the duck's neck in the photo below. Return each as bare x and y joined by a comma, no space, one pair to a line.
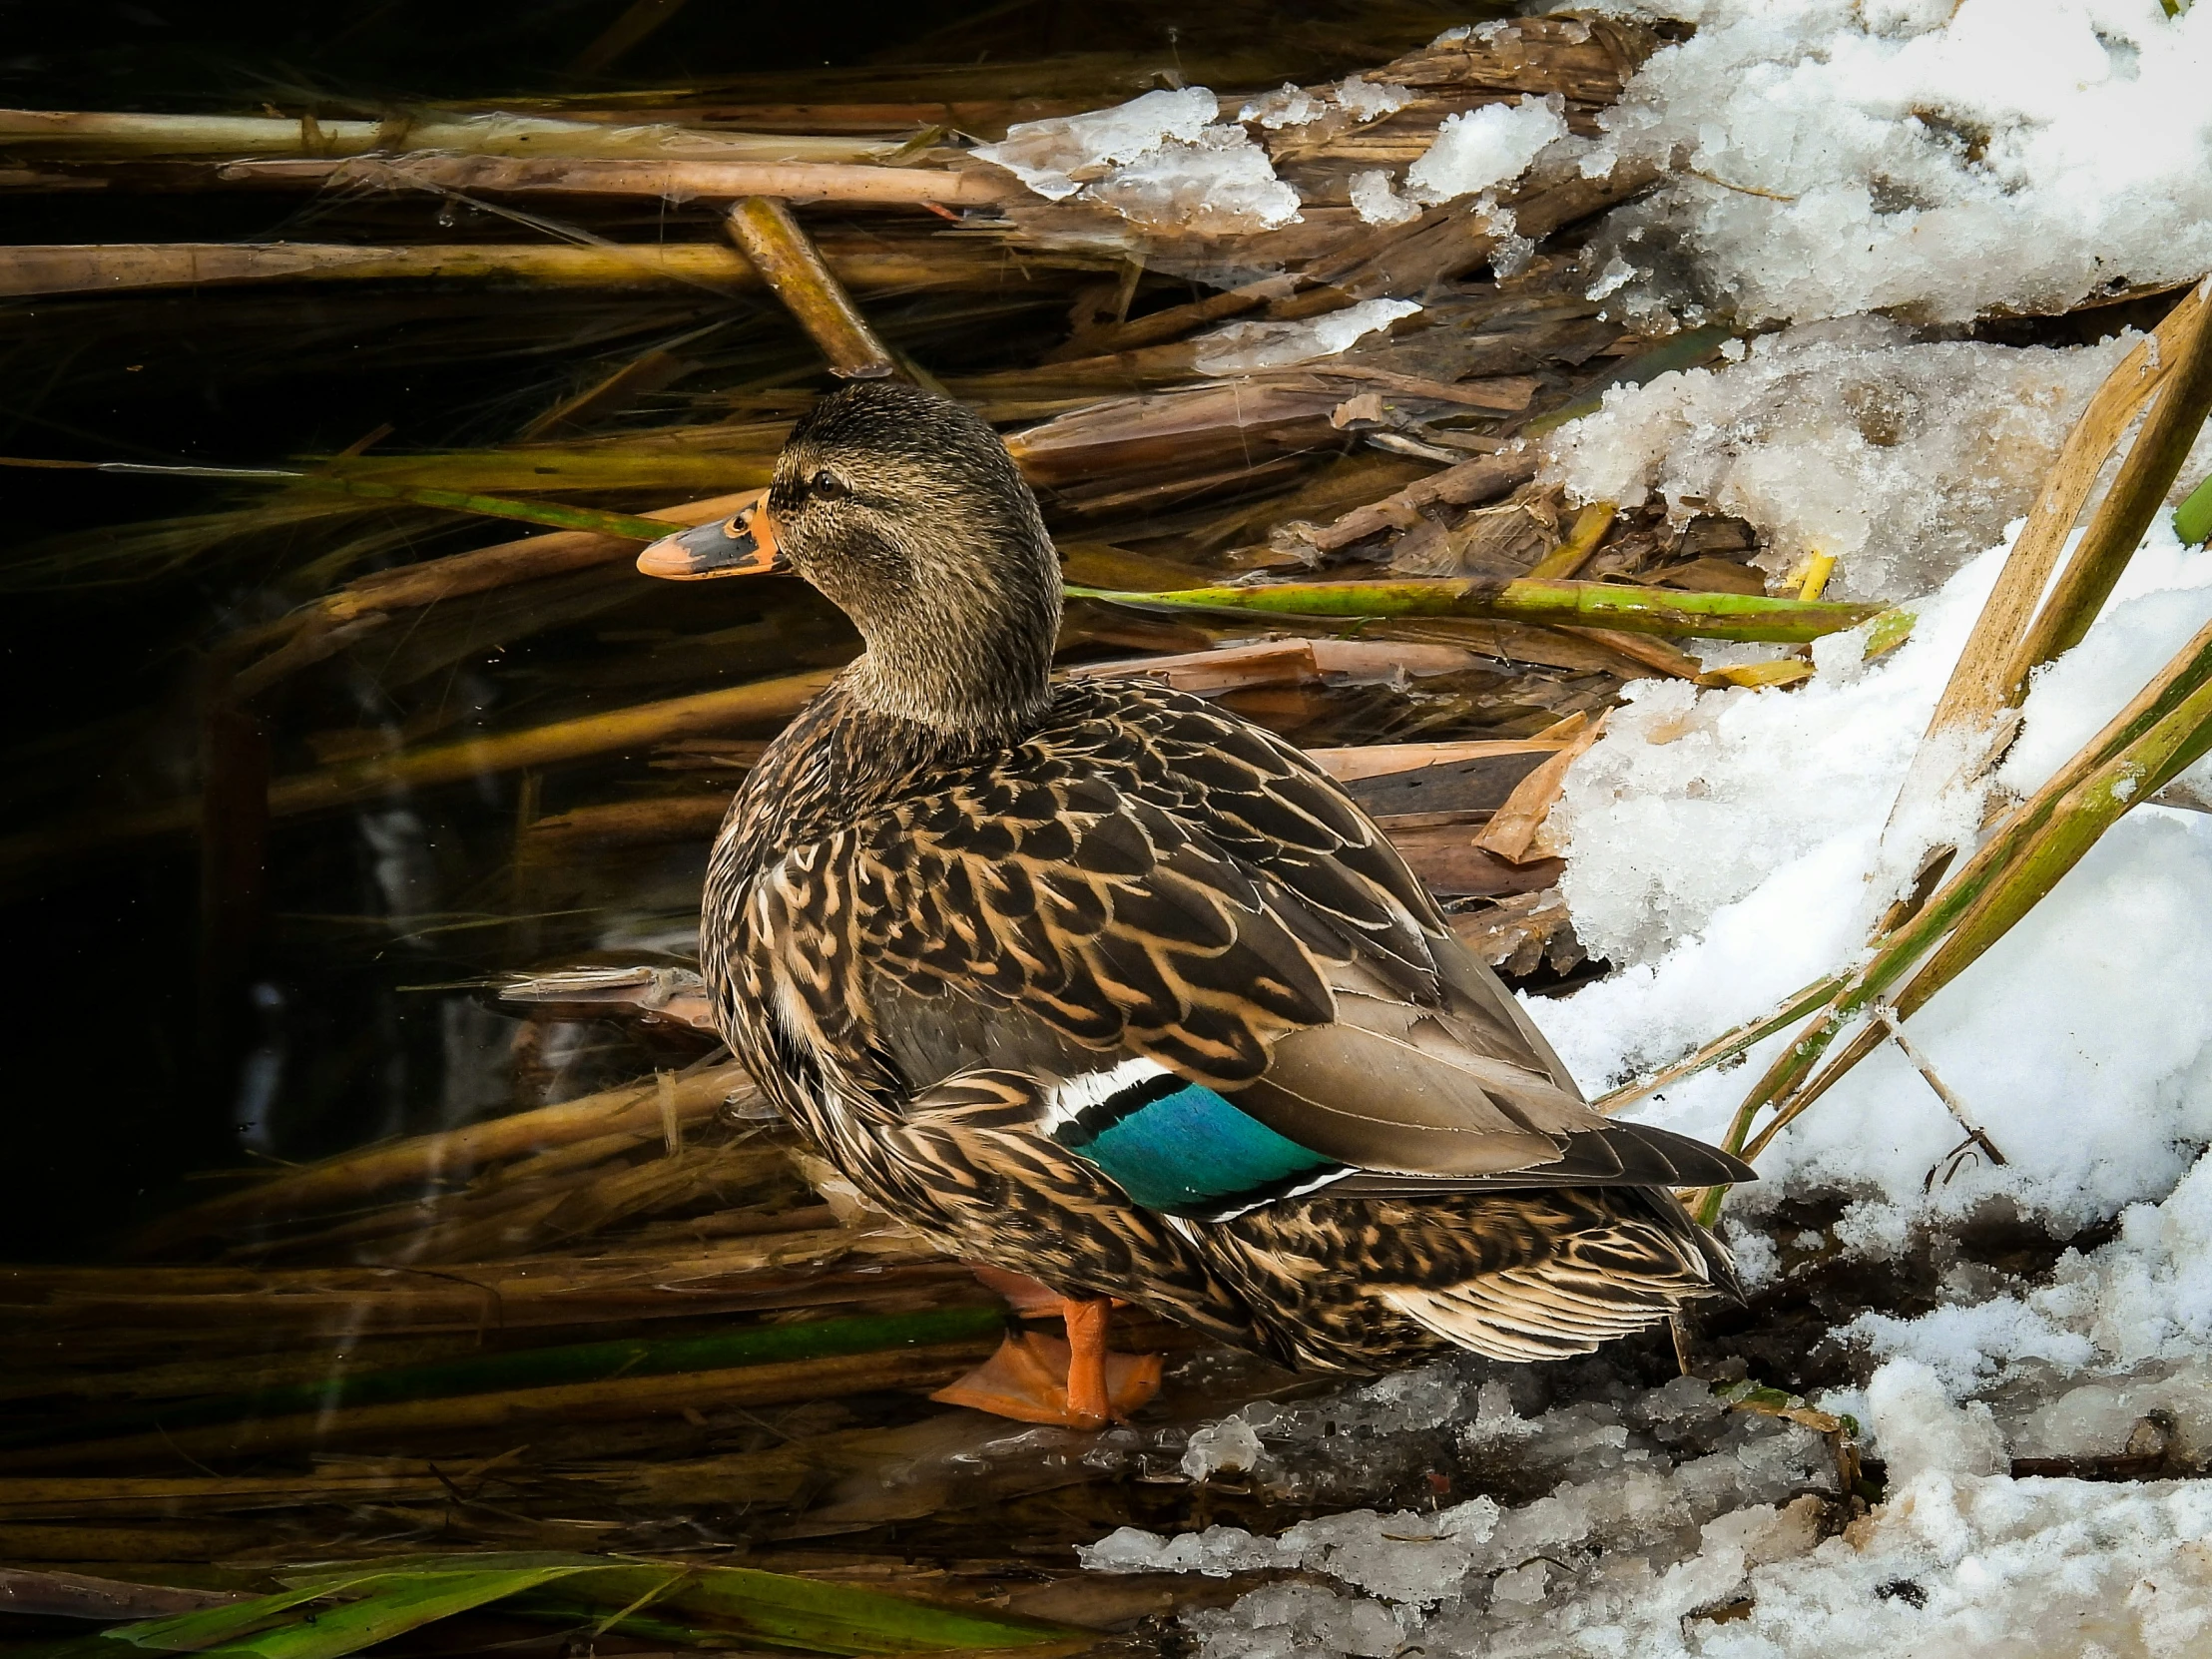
965,654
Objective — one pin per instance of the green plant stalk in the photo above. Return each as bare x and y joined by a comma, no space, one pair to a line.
491,506
1726,1046
553,1366
2193,518
700,1605
2189,670
2078,822
487,506
1720,616
205,1627
397,1602
607,466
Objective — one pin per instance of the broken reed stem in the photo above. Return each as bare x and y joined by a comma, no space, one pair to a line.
786,260
429,581
1894,1029
2183,400
1982,683
1590,525
1720,616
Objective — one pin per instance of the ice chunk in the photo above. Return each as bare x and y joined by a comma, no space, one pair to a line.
1365,100
1047,155
1241,348
1297,1621
1219,182
1899,458
1376,202
1478,148
1227,1444
1287,106
1160,160
1936,161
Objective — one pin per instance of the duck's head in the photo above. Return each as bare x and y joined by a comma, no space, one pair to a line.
907,512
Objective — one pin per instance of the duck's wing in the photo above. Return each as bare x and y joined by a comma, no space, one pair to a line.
1223,973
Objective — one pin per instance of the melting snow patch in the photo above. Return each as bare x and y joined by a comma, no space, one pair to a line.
1675,1528
1288,106
1900,459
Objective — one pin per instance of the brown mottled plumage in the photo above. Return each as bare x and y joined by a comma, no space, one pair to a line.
956,907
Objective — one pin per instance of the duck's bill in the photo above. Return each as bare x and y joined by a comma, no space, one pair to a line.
743,544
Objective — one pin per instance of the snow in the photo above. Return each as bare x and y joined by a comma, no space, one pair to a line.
1937,162
1241,348
1903,458
1160,160
1724,848
1667,1525
1294,106
1478,149
1646,1472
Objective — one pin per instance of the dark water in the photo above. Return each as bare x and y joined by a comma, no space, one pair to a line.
155,1032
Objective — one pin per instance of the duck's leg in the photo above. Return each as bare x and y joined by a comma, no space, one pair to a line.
1086,1391
1075,1383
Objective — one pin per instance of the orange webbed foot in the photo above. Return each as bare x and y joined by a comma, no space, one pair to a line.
1073,1385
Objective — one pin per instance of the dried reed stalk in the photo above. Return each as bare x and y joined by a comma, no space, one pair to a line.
678,180
868,264
100,134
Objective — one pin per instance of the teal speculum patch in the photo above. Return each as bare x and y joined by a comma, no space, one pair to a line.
1180,1148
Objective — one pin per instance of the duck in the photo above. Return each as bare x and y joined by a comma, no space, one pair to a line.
1099,985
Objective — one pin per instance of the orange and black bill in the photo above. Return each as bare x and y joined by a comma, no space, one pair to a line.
743,544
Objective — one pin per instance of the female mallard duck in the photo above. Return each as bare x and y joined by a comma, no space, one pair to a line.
1094,981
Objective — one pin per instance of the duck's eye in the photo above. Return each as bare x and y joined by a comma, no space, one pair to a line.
826,486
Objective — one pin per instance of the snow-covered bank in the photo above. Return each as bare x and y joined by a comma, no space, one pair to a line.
1938,160
1900,457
